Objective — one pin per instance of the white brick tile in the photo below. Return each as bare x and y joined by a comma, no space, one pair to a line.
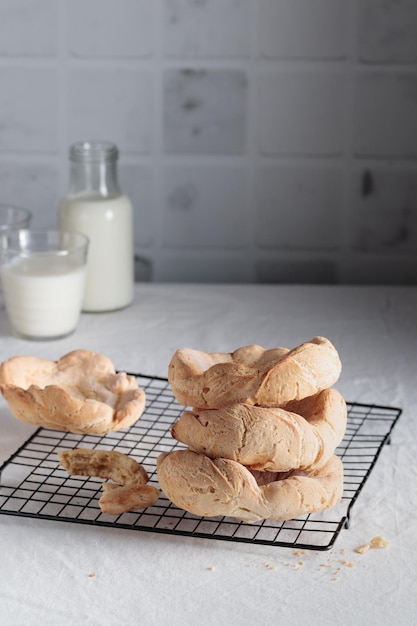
310,29
219,269
143,269
28,28
301,112
207,28
117,106
297,271
299,207
384,215
387,31
136,181
28,110
204,207
386,114
33,186
111,28
205,111
365,270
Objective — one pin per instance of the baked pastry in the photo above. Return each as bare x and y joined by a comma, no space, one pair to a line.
262,432
253,375
131,491
211,487
79,393
272,439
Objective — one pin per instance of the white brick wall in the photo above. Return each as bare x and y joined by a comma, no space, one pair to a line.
309,198
261,140
302,112
204,111
206,29
303,29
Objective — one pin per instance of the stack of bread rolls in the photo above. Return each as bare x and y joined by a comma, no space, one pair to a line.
261,435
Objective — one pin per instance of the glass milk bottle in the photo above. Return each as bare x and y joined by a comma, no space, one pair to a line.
95,206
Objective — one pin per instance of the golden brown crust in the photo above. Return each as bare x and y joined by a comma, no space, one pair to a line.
326,413
271,439
80,393
253,375
261,435
131,492
213,487
262,438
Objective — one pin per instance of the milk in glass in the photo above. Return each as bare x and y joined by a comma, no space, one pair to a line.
43,296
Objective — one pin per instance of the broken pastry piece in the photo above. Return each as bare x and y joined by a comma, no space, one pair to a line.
79,393
128,492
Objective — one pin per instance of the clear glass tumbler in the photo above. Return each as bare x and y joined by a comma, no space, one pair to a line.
12,218
43,276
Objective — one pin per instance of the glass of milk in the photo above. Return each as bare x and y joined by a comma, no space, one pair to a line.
12,218
43,278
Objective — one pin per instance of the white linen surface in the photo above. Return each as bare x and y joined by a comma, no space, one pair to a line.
62,573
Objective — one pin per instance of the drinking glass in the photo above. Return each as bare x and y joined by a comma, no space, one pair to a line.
43,276
12,218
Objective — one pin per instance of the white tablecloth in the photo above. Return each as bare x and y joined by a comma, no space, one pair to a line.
47,567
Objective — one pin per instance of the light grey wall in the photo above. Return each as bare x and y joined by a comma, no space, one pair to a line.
261,140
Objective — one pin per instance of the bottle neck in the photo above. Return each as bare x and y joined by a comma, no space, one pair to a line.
94,178
93,169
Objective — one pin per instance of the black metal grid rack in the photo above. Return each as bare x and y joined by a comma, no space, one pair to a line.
32,483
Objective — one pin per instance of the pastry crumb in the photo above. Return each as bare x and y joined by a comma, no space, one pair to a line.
363,549
92,575
379,542
300,552
211,568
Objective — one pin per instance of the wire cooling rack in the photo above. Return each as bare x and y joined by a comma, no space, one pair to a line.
32,483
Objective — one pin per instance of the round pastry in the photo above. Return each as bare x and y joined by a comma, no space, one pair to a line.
253,375
133,493
213,487
79,393
272,439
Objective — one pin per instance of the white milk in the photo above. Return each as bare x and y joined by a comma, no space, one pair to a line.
108,223
43,297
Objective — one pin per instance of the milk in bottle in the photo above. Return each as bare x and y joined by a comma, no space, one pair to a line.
95,206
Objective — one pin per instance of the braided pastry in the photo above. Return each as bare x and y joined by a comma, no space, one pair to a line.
253,375
272,439
79,393
133,493
212,487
